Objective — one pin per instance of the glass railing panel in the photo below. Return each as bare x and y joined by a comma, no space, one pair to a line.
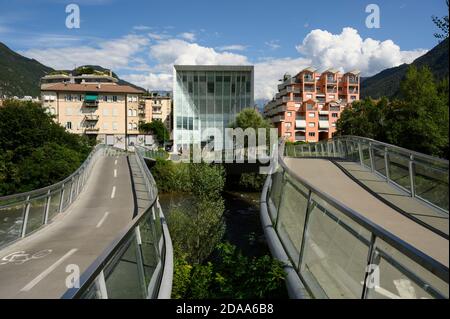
353,151
397,276
291,218
75,188
36,214
378,160
399,169
92,292
335,254
275,192
149,246
66,197
431,183
53,210
122,274
11,220
365,153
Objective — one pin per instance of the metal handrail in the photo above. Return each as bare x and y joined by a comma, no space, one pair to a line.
431,264
94,272
427,262
24,201
414,158
53,186
399,148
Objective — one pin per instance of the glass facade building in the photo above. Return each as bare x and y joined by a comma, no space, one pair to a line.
208,97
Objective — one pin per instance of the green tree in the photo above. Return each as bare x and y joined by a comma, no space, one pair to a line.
230,275
250,118
197,230
157,128
35,151
417,120
442,25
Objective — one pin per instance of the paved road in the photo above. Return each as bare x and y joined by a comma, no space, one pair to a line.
330,179
75,237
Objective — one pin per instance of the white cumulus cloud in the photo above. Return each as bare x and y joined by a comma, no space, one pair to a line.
232,47
112,54
190,36
348,51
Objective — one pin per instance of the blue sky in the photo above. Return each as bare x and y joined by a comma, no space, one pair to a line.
141,40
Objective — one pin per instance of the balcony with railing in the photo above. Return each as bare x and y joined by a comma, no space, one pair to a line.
292,89
310,88
91,100
308,79
91,129
91,117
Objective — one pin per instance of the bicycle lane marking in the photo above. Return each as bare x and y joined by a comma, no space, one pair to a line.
21,257
47,271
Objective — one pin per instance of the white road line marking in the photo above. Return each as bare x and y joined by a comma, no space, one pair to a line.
115,162
115,173
100,223
113,193
45,273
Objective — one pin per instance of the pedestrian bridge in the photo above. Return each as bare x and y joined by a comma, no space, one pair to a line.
100,233
355,218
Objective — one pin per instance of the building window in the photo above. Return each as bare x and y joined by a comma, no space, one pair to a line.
309,107
114,98
134,112
68,111
135,127
312,134
114,126
287,125
334,115
130,112
210,87
288,134
105,126
114,111
289,114
130,126
105,98
69,125
105,112
311,124
309,96
333,124
311,114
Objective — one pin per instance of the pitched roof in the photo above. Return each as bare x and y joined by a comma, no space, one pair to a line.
310,69
102,88
355,72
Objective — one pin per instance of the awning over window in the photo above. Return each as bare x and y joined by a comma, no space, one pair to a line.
91,97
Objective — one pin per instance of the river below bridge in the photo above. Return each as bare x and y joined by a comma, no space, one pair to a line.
243,226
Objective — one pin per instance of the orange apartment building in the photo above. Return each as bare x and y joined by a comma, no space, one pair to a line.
308,105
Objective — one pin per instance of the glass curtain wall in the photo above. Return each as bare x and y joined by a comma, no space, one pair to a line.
209,99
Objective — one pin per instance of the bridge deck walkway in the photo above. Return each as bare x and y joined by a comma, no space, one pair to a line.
330,179
35,267
399,198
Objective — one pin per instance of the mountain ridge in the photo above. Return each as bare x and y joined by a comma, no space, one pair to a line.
387,82
20,76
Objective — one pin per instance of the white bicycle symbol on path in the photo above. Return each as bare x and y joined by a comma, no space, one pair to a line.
20,257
